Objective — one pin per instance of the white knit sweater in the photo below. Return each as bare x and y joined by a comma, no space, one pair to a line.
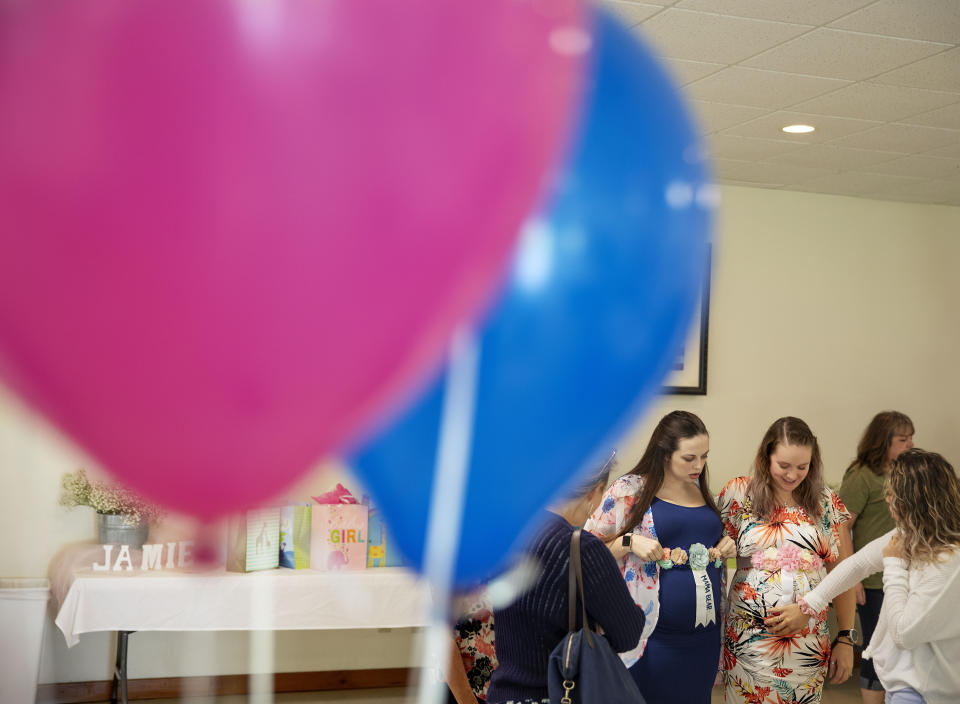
917,639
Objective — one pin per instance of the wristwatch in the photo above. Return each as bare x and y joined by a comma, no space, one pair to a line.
625,542
852,633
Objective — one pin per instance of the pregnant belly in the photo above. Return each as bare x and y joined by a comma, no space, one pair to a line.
678,600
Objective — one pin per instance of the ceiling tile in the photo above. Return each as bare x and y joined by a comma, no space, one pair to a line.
728,170
917,189
951,151
750,184
769,127
701,36
684,71
814,12
875,101
923,196
764,89
714,117
879,78
829,156
743,148
940,72
835,53
948,117
852,183
764,172
929,20
631,13
895,137
947,192
918,166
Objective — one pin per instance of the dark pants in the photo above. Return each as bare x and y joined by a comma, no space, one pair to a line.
869,615
453,700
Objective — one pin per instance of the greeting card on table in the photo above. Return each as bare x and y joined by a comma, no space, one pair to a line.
381,551
295,522
253,540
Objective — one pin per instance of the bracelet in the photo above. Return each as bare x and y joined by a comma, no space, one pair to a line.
806,608
843,642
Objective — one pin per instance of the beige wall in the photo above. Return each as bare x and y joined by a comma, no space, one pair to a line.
829,308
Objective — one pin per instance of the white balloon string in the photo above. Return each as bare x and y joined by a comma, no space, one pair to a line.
446,507
261,644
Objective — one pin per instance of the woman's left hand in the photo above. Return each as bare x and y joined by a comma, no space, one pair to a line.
727,547
841,662
783,620
894,548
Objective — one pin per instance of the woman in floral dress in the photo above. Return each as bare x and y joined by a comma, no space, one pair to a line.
475,655
786,524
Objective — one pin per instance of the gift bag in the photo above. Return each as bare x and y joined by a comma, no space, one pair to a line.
253,540
338,538
295,520
381,552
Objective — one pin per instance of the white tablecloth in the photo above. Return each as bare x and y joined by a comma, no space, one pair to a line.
281,599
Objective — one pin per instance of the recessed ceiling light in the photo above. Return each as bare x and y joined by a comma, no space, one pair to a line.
799,129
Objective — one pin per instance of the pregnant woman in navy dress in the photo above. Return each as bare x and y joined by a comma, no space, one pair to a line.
662,524
689,652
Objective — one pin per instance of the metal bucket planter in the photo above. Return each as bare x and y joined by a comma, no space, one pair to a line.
113,528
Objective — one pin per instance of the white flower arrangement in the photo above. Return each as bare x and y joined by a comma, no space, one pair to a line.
78,490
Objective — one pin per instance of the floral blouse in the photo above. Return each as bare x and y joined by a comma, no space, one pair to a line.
753,534
475,639
642,578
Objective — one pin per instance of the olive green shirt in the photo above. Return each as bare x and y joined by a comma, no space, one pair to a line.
862,493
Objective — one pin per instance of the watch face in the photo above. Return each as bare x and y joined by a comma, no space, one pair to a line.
626,541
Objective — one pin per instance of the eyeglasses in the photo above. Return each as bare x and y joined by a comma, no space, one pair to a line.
606,465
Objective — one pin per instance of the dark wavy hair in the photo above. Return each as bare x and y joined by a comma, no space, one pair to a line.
875,443
786,431
672,428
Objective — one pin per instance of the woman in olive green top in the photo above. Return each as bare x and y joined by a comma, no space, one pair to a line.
862,492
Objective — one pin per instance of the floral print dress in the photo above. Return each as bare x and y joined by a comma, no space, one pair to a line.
475,639
760,667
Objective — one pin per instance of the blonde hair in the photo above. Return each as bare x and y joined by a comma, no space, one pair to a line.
925,504
787,431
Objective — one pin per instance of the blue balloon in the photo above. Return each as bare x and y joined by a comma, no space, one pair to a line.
596,308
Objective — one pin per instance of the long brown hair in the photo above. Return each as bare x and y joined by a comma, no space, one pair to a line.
925,504
787,431
672,428
875,444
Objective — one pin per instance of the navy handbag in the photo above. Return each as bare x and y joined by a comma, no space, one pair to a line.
583,668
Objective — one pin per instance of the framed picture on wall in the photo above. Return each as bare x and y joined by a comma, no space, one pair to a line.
689,373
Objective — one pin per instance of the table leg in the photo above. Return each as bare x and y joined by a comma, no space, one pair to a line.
120,671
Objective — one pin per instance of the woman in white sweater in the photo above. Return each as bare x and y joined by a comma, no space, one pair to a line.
916,646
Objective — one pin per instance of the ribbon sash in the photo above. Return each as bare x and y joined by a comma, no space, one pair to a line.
706,609
786,587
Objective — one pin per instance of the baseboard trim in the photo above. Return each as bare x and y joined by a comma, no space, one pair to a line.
221,685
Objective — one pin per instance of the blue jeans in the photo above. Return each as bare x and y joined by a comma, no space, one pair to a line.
904,696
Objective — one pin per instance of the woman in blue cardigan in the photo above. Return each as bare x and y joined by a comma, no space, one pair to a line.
532,626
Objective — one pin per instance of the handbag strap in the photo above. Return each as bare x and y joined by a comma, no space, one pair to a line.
575,581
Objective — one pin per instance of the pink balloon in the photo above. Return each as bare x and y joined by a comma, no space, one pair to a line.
232,232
